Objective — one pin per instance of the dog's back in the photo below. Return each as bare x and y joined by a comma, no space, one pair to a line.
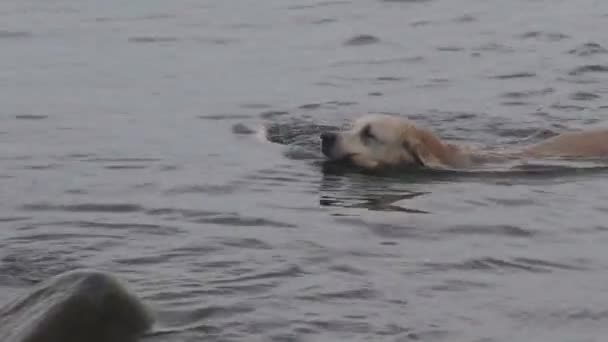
584,144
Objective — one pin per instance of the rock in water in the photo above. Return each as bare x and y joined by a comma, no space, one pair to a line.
75,306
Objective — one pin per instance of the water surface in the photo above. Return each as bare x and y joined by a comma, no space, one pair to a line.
117,152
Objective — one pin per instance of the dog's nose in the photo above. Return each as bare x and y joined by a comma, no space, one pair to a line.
328,138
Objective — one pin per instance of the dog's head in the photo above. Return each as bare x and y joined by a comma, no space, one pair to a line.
379,141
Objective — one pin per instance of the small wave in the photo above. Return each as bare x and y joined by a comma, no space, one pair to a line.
450,48
318,5
494,264
253,105
31,117
583,96
237,220
385,61
324,21
84,207
355,294
269,114
203,189
210,217
504,230
467,18
310,106
516,103
385,230
245,243
14,34
175,213
120,160
242,129
158,16
292,271
591,68
541,35
418,23
14,218
219,117
529,93
25,267
58,236
215,40
125,167
586,314
153,39
514,75
154,229
568,107
588,49
342,325
363,39
457,285
494,47
408,1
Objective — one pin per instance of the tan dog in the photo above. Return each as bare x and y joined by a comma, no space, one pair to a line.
380,141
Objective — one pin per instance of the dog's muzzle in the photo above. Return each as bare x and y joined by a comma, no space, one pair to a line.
328,140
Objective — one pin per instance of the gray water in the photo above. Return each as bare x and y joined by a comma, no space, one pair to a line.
117,152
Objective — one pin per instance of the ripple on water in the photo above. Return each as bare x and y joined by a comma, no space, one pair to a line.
324,21
362,39
504,265
450,48
498,230
125,167
467,18
31,117
583,96
363,293
528,93
590,68
407,1
459,285
514,75
92,159
319,4
197,316
242,129
150,229
84,207
211,217
568,107
385,230
152,39
220,117
494,47
27,267
4,34
284,272
269,114
211,189
543,35
588,49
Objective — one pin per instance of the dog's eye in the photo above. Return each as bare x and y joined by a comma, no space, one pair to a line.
367,132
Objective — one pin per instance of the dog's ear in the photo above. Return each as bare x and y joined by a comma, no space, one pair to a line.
424,149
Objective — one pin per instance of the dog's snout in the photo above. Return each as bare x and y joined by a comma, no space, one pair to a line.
328,137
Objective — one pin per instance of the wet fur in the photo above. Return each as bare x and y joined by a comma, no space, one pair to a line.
383,141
